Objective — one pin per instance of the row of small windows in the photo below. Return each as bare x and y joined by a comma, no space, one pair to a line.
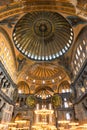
64,90
80,56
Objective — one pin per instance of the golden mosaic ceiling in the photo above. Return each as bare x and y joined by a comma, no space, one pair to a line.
23,88
44,92
70,7
42,73
43,35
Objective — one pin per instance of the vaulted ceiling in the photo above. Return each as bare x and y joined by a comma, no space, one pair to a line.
50,70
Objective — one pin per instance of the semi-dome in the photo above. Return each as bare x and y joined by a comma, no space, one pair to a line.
44,92
64,87
23,88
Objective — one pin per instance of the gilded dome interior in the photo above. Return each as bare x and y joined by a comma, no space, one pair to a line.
23,88
44,92
64,87
43,35
43,74
43,63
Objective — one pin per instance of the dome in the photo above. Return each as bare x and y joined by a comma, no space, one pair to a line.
43,35
64,87
23,88
43,74
45,71
44,92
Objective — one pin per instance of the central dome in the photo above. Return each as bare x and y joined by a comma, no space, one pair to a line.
43,28
43,35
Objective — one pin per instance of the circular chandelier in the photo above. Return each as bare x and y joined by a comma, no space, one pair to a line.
44,111
43,35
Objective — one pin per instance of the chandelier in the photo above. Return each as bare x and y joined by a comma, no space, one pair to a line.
63,121
44,126
44,111
44,118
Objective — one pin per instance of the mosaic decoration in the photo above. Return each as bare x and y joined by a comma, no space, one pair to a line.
21,63
43,35
75,20
57,100
31,101
10,21
23,87
44,92
5,2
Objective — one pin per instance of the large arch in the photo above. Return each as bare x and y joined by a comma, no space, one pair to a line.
79,55
7,54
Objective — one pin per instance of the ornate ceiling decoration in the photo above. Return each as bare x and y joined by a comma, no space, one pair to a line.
7,54
44,92
71,7
23,88
43,35
43,74
45,71
64,87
